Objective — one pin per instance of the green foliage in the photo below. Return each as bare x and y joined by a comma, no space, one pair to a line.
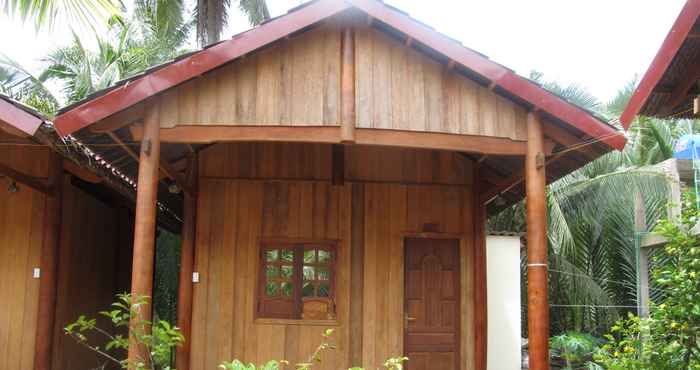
167,276
574,350
157,338
591,220
668,339
44,13
395,363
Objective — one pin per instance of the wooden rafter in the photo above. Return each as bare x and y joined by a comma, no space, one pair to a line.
680,92
165,168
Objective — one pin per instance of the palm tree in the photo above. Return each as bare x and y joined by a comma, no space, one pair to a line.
591,219
156,33
19,84
45,13
212,17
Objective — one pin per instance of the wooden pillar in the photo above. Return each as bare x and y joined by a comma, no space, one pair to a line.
479,278
184,301
145,224
49,265
357,272
347,85
538,306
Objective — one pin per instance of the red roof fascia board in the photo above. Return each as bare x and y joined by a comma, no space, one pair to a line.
673,42
18,118
498,74
194,65
187,68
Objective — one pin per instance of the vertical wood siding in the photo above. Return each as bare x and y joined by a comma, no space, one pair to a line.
240,205
399,87
293,82
21,235
296,82
94,238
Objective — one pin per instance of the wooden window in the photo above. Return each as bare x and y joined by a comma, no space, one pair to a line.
297,281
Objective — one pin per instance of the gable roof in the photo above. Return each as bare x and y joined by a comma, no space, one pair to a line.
167,76
19,116
664,89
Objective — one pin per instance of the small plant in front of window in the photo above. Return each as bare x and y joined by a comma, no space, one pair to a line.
159,342
395,363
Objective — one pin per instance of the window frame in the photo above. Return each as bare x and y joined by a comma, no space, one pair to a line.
298,247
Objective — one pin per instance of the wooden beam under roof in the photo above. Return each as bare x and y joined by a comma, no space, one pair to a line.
116,121
567,139
680,92
165,168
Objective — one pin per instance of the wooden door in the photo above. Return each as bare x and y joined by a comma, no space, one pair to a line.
431,306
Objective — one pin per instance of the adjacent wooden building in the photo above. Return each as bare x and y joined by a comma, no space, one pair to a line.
65,245
333,168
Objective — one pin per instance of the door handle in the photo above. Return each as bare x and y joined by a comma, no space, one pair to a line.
408,319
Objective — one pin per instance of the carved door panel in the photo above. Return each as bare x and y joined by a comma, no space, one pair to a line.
431,322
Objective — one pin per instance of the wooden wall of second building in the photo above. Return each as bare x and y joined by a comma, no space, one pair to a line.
94,265
21,228
251,192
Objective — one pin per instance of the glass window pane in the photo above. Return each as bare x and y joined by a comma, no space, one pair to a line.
272,272
271,289
310,256
287,272
324,290
308,290
309,273
323,273
324,256
271,255
287,289
287,255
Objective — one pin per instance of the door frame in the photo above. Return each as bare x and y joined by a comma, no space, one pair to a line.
462,245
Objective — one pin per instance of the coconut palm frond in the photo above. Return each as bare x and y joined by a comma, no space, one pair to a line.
45,13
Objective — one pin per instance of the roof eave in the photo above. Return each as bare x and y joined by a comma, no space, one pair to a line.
669,48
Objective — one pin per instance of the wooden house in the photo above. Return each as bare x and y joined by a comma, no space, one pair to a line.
335,167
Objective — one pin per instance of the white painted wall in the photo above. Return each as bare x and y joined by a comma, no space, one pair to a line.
503,289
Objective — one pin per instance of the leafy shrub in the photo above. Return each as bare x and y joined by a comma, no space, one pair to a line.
573,350
668,339
159,341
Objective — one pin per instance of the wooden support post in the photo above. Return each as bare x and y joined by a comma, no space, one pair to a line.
347,86
49,265
479,278
535,186
338,164
357,272
145,226
184,301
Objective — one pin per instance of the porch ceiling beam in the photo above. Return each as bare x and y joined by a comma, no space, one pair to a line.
122,119
567,139
164,167
332,135
36,183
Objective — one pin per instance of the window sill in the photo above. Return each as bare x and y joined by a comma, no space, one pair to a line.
262,321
